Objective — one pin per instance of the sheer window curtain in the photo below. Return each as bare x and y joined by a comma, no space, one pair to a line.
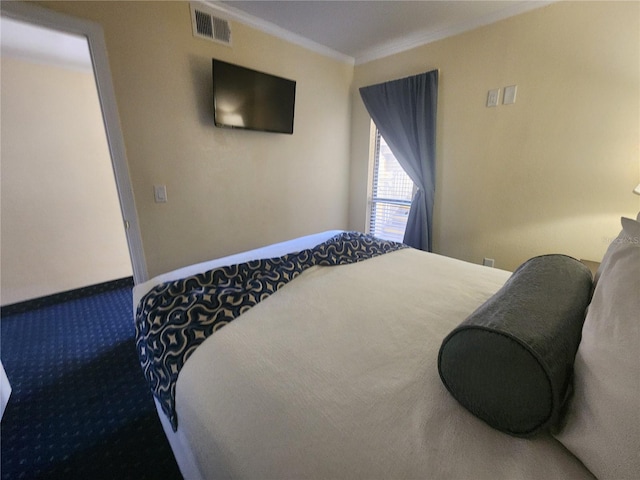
404,111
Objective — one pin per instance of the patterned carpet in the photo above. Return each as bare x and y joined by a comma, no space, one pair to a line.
80,407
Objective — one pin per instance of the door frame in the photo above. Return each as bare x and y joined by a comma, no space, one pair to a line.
97,47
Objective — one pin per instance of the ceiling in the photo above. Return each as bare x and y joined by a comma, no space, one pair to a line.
360,31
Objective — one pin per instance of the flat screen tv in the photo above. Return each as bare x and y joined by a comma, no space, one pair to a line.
252,100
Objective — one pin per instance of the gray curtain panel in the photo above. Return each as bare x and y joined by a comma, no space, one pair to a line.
404,111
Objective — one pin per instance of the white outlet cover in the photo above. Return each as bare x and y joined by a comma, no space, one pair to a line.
488,262
492,97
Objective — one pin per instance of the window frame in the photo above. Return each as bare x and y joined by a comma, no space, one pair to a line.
372,199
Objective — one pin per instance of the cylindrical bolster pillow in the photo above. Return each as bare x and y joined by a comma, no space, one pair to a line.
510,362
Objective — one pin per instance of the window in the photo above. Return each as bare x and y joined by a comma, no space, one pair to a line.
391,194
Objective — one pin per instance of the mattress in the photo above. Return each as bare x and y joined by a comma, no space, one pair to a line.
335,376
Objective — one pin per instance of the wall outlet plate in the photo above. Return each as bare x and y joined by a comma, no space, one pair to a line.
488,262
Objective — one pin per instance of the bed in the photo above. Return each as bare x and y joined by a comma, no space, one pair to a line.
340,372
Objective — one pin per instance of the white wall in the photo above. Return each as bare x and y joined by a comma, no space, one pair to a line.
61,223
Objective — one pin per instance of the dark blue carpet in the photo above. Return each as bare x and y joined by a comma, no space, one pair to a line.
80,406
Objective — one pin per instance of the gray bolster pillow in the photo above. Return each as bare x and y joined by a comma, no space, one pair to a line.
510,362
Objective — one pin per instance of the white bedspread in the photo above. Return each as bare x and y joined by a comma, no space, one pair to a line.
335,376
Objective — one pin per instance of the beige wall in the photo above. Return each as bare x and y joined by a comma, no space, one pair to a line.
61,222
551,173
228,190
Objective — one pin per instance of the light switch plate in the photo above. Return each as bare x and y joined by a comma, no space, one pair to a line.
160,193
509,96
492,97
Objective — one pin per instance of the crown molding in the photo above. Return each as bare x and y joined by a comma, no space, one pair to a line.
411,41
232,13
425,37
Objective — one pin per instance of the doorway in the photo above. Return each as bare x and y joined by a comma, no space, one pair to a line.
114,169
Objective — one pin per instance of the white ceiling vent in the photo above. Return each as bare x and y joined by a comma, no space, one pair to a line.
206,23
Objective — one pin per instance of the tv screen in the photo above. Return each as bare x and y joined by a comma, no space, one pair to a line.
245,98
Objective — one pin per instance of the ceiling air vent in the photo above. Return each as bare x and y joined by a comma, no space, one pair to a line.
206,24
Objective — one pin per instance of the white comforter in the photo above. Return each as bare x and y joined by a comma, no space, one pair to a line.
335,376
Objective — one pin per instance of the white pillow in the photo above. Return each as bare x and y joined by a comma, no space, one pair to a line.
602,423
